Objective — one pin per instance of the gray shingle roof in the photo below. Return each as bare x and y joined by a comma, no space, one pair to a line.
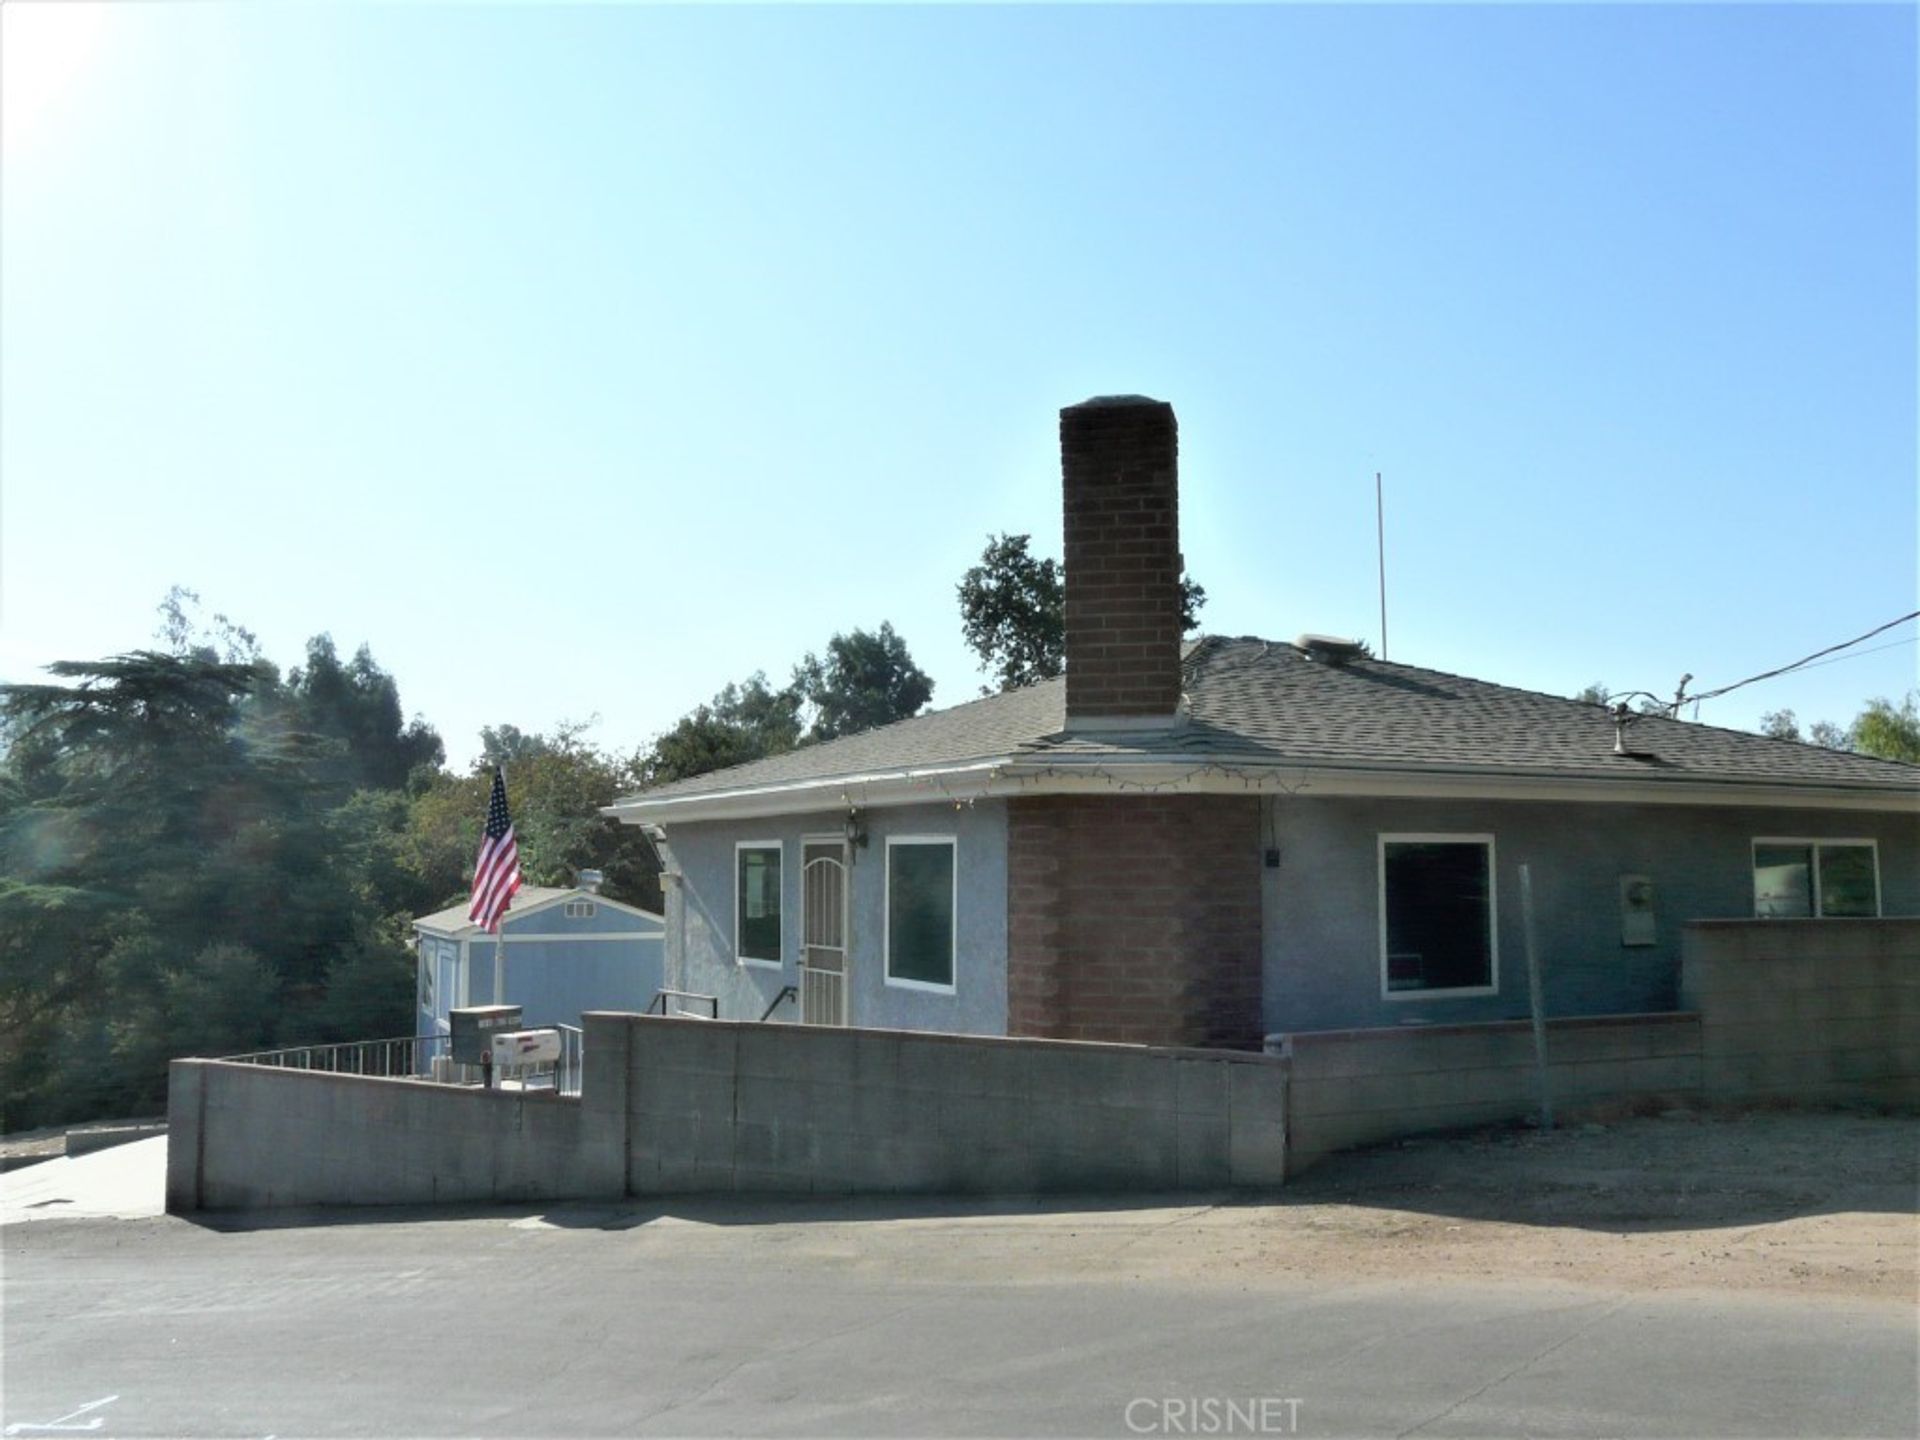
1261,701
454,917
979,730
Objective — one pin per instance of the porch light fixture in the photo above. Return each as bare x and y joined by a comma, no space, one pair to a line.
857,828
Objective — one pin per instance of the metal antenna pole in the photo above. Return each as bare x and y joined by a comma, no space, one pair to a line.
1536,1001
1380,541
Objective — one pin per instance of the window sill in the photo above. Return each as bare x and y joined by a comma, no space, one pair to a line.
747,961
1474,992
924,987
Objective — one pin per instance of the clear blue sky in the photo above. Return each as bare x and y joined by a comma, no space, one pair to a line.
582,360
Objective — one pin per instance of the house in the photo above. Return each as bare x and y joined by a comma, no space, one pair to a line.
1203,843
560,952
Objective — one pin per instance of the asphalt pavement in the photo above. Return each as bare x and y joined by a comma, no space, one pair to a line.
727,1320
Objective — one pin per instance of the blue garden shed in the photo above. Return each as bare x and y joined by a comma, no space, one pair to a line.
559,952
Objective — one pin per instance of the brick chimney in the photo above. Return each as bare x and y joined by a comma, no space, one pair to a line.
1119,463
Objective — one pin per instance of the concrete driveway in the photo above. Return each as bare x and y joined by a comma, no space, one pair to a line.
127,1182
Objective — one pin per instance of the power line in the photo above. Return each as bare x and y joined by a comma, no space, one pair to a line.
1802,662
1875,650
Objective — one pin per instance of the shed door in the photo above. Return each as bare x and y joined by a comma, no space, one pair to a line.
823,928
450,991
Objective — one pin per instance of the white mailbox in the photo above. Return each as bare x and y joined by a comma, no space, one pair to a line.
526,1047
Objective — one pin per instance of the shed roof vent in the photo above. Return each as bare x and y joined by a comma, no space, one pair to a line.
1329,649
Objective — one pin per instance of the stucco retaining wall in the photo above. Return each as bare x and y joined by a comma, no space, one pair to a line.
673,1106
1807,1010
1357,1087
791,1108
253,1137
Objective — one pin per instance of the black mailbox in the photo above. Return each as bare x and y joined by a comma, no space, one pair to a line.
474,1026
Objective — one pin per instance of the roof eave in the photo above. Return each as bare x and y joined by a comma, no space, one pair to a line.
834,792
1031,774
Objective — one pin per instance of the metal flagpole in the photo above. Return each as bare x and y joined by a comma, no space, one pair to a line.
1380,542
500,920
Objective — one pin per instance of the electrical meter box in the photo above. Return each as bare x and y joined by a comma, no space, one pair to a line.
525,1047
472,1026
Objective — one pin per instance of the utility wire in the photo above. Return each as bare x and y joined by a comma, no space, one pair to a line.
1805,660
1875,650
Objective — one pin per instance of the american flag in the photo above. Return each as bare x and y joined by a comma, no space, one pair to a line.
496,874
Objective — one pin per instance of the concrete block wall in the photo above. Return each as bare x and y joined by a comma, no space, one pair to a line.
672,1106
256,1137
719,1106
1820,1011
1357,1087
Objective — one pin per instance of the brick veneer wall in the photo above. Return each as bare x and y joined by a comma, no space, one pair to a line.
1134,918
1119,462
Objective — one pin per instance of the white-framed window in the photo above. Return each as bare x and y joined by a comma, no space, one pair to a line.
1813,879
1439,933
580,909
922,911
756,902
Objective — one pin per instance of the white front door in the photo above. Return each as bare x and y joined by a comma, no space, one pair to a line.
823,931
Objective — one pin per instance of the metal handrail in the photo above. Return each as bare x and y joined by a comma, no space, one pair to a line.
786,992
658,1005
408,1056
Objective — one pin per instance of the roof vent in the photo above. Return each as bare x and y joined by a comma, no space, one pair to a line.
1329,649
590,881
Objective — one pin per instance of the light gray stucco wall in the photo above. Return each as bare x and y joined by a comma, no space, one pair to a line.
1322,915
797,1109
674,1105
245,1137
1358,1087
1807,1010
700,949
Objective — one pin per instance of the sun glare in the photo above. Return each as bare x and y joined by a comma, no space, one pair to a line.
44,52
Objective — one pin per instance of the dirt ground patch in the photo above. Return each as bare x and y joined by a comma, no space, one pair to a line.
1797,1203
30,1147
1770,1200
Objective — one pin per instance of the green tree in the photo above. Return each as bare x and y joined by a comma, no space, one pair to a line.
370,990
555,792
185,633
356,706
1013,612
867,679
509,745
184,866
744,722
129,799
221,1002
1780,725
1784,725
1890,731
